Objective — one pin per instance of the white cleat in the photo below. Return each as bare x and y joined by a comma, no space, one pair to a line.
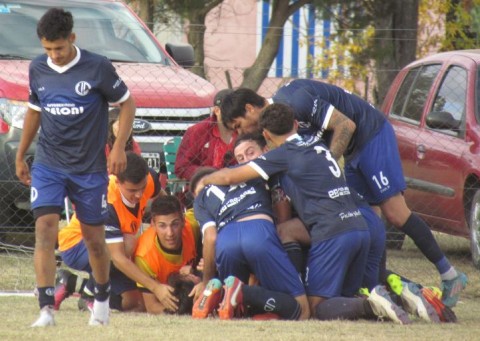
100,314
46,318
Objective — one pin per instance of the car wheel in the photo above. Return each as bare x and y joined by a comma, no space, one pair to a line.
394,237
474,224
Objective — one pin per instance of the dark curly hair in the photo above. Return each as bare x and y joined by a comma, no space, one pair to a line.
277,118
183,286
55,24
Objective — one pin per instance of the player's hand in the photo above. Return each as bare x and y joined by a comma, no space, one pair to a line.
200,265
199,187
117,160
23,172
197,291
185,270
164,294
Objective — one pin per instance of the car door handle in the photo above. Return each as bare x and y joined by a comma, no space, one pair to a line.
421,151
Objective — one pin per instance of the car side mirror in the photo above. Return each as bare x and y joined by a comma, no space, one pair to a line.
181,53
442,120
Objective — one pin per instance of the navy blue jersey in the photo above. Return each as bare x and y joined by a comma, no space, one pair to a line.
73,100
313,103
315,185
219,205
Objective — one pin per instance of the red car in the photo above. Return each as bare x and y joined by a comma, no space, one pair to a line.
433,105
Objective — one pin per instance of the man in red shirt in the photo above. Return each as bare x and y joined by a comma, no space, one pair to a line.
207,143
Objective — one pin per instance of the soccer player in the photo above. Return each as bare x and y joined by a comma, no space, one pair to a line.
339,234
70,90
239,238
294,237
167,247
362,134
128,195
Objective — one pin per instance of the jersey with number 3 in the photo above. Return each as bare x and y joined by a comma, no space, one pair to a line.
316,187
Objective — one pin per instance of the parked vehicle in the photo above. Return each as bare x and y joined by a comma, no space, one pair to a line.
169,98
433,105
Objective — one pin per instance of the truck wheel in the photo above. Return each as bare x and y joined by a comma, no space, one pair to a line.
474,224
394,237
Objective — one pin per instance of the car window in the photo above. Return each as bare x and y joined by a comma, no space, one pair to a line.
451,96
413,93
106,28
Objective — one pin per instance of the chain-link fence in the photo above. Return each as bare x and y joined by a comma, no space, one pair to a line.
178,107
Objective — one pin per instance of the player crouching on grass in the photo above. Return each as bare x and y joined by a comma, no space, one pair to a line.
239,238
167,253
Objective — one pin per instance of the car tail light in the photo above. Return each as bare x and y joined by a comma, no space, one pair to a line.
4,127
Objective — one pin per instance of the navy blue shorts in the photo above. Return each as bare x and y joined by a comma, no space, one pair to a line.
77,257
253,246
377,247
88,192
336,266
376,172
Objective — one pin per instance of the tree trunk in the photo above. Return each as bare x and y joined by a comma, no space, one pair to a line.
396,25
196,38
145,12
281,10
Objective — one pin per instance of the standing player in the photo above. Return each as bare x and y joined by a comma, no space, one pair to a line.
367,141
70,90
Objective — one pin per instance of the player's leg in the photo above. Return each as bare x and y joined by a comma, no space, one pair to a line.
89,194
124,296
377,247
47,195
270,263
383,185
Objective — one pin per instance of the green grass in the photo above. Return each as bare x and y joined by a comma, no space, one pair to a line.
19,312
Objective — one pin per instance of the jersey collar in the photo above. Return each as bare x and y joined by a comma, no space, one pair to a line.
62,69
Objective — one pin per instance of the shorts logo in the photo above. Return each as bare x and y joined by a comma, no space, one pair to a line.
82,88
33,194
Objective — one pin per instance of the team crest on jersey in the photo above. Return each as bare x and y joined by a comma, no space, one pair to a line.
82,88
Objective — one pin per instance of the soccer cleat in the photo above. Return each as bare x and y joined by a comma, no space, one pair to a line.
395,283
208,300
363,292
232,302
416,304
445,313
451,289
100,314
61,289
383,306
46,317
85,304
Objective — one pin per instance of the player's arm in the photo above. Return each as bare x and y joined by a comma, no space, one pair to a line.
162,292
343,129
30,128
152,304
229,176
209,268
117,160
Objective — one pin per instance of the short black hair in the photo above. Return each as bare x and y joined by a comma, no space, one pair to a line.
165,205
55,24
233,104
136,170
198,175
256,137
277,118
183,286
